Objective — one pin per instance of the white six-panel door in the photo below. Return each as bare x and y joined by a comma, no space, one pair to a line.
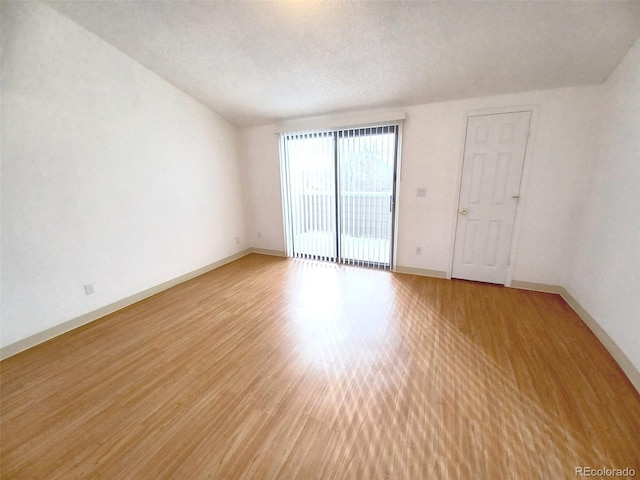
494,153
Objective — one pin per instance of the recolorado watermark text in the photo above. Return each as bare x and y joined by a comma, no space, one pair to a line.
605,472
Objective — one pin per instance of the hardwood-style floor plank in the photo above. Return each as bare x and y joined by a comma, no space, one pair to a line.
280,368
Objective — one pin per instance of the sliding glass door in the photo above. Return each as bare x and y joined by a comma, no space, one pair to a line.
339,194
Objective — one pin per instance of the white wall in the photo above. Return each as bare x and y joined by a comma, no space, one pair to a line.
605,268
561,148
261,156
110,175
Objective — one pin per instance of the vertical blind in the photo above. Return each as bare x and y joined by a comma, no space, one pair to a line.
338,194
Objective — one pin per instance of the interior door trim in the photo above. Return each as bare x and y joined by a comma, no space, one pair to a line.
529,159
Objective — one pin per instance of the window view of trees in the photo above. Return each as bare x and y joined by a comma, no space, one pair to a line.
369,169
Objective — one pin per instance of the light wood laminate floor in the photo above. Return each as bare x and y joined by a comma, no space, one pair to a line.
280,368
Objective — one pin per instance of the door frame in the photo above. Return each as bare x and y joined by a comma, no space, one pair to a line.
397,181
524,180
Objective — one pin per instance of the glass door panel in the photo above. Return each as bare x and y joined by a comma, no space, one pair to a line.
366,166
312,204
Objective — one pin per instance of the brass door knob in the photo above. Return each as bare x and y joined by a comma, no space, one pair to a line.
463,211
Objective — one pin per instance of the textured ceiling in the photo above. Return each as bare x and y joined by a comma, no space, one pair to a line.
260,62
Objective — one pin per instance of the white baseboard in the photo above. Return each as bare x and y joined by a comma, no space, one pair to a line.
423,272
632,373
264,251
536,287
48,334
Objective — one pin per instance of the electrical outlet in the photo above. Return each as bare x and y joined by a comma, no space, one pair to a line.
418,250
421,192
238,240
88,289
259,234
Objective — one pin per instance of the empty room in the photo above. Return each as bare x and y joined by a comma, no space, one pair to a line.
320,239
